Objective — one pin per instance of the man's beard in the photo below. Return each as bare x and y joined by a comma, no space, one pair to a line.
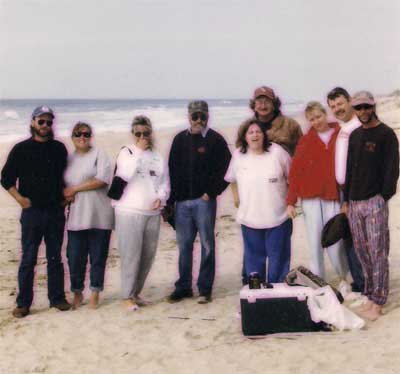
370,118
49,135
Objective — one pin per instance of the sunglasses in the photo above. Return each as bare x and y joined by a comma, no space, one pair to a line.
145,134
85,134
196,116
262,100
41,122
363,106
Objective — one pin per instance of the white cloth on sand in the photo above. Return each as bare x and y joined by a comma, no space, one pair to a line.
324,306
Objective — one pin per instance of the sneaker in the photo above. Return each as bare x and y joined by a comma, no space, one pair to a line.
177,296
352,296
62,306
360,302
204,299
344,288
20,311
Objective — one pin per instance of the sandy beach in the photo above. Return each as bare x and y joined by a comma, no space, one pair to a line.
185,337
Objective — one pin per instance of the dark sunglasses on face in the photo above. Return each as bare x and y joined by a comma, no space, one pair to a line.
363,106
145,134
41,122
196,116
78,134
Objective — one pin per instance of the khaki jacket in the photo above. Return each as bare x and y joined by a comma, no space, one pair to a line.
286,132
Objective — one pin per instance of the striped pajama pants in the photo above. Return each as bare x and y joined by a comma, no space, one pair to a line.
370,230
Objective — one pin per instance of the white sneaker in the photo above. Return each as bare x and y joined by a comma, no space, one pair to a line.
362,299
344,288
352,296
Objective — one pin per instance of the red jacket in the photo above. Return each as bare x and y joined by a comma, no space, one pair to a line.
312,173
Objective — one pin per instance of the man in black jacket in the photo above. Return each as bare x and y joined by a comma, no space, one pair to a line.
372,172
33,176
198,160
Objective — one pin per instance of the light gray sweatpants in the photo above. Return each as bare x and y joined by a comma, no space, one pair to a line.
137,243
317,212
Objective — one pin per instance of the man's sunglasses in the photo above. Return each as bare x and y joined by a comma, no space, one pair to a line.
41,122
196,116
363,106
145,134
85,134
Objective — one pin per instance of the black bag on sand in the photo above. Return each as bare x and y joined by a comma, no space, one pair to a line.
301,276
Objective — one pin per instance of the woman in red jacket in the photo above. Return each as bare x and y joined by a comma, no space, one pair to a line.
312,179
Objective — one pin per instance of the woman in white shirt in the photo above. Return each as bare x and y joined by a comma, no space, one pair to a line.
137,211
90,216
258,172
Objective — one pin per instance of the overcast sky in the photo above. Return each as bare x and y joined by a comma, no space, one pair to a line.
186,49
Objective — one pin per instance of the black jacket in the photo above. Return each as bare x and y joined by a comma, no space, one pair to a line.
197,165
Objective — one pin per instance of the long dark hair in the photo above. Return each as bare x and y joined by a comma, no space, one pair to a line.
241,142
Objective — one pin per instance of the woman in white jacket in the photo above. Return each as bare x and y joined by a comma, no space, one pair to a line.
137,212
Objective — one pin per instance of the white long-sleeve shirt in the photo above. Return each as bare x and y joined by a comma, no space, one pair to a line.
342,146
147,177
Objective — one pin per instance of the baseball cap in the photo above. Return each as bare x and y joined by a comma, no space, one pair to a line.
335,229
264,91
362,97
198,106
42,110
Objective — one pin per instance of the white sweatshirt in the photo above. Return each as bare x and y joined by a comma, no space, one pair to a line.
147,177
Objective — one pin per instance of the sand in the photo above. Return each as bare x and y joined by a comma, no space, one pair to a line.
184,337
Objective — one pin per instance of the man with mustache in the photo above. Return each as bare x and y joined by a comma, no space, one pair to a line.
198,161
339,101
371,180
33,176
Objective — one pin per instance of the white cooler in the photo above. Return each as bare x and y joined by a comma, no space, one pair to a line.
280,309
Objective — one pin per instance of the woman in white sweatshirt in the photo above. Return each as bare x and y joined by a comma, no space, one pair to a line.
137,212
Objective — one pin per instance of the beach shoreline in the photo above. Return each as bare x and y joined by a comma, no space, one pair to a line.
183,337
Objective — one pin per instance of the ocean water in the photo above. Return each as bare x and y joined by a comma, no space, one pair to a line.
116,115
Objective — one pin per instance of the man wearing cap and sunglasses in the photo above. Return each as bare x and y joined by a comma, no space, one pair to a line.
33,176
372,172
198,160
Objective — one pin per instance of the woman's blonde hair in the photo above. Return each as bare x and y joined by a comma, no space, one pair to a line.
144,121
314,105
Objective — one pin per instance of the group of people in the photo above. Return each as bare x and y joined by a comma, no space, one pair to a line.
351,166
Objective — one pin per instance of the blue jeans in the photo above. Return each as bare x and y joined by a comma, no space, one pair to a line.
92,242
354,263
355,268
192,216
36,224
273,243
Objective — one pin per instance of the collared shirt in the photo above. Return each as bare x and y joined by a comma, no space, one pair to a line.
342,145
203,131
197,165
